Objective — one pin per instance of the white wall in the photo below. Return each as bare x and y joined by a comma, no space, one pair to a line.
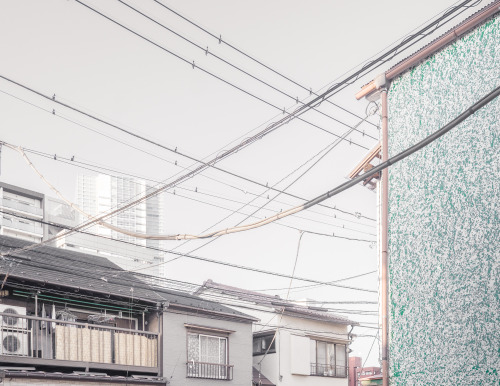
292,356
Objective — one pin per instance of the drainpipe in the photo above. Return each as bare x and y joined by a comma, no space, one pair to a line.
380,87
384,266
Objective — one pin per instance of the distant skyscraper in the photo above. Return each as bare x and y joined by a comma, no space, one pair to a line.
102,193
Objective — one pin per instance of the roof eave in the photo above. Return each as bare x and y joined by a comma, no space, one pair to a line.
430,49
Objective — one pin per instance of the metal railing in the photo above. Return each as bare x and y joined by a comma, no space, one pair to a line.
35,337
209,370
326,370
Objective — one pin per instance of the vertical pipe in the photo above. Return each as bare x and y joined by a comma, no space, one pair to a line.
34,330
384,284
159,343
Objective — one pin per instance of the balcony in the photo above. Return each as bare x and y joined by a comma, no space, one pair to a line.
326,370
209,370
51,342
22,207
20,225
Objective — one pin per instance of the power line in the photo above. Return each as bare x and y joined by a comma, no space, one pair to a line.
331,91
289,115
208,52
140,307
4,255
106,268
421,33
73,162
134,234
369,352
326,150
314,285
426,141
327,94
192,172
219,38
336,87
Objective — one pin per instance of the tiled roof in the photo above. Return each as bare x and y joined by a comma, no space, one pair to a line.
76,377
275,302
258,379
442,36
448,31
70,269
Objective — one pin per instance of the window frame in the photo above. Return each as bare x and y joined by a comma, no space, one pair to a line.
200,334
208,370
335,364
271,347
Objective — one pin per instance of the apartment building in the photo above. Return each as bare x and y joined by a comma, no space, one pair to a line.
443,205
22,210
293,344
357,371
68,318
34,216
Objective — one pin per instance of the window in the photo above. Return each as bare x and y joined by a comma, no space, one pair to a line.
330,359
264,344
207,357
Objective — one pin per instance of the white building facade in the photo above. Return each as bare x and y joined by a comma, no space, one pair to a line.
293,345
22,211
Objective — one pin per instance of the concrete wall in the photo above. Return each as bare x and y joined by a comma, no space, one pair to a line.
444,216
175,349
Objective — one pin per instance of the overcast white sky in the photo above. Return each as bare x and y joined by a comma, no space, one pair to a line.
60,47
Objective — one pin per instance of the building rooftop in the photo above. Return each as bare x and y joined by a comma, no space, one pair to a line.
74,270
489,11
432,46
81,376
258,379
275,302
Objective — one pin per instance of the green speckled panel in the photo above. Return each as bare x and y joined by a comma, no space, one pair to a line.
444,216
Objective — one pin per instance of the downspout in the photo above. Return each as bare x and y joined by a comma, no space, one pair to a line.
162,307
380,88
384,282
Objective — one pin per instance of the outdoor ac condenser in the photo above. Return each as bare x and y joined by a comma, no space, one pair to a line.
10,322
14,342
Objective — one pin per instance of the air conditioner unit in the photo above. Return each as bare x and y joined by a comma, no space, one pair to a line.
10,322
14,342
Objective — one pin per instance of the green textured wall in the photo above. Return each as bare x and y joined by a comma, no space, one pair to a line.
444,216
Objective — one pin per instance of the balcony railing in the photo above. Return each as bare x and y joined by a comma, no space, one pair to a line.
209,370
326,370
44,338
21,206
30,227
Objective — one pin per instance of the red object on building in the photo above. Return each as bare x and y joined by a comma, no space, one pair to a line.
356,371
